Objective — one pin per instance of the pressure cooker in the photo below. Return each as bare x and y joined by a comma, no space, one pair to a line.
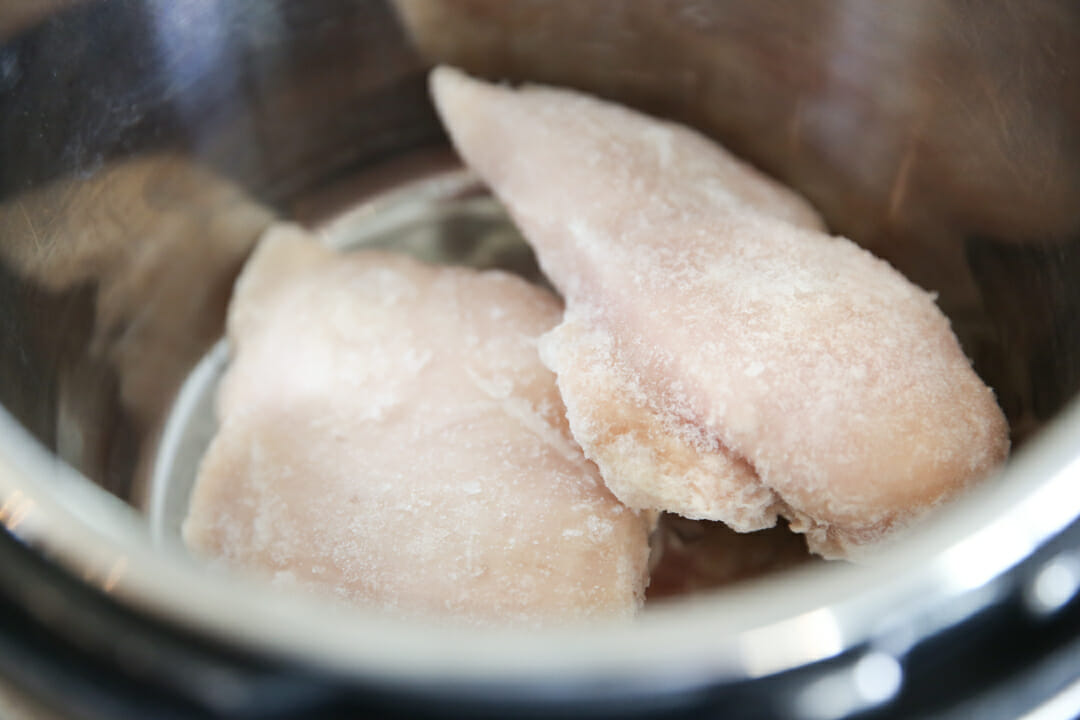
145,145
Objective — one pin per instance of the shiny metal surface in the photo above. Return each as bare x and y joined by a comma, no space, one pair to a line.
145,145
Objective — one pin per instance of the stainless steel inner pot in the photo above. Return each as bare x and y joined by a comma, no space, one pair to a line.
144,146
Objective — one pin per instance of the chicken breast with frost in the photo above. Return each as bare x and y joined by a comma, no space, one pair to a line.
721,356
389,435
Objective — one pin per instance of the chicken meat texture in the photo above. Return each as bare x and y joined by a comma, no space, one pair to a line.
388,435
721,356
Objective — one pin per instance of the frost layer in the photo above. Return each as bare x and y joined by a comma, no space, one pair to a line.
721,356
389,435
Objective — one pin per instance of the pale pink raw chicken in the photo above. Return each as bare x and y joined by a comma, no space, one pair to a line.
389,435
721,356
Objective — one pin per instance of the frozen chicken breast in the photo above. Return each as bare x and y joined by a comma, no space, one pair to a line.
389,435
721,356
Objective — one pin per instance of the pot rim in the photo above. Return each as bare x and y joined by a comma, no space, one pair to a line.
926,579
